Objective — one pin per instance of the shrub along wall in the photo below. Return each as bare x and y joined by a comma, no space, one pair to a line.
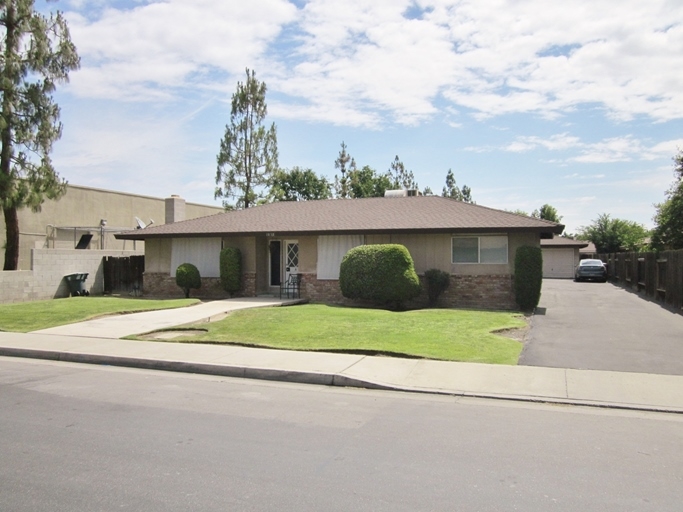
489,292
159,284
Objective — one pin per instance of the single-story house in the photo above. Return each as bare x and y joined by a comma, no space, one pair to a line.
560,256
474,244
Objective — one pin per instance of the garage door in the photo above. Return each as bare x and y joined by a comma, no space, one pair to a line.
558,263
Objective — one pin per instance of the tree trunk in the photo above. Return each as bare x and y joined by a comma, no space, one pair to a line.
12,246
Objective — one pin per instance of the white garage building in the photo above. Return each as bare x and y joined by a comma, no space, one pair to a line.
560,257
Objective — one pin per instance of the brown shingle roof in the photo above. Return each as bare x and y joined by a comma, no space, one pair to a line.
338,216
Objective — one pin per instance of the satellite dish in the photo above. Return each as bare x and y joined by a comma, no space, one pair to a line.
151,221
141,225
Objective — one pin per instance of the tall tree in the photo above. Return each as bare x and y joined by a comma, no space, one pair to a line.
668,232
467,194
36,53
452,190
248,151
614,235
547,212
298,185
346,165
400,177
366,182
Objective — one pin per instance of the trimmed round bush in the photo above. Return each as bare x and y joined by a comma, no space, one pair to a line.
187,277
528,277
383,274
231,270
437,282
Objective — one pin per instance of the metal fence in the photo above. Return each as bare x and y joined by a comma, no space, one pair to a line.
656,275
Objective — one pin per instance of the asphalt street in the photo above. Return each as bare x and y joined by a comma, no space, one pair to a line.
87,438
599,326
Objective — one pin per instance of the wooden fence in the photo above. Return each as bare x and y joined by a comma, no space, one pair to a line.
123,274
656,275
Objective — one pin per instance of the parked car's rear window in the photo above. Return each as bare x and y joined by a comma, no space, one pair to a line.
590,263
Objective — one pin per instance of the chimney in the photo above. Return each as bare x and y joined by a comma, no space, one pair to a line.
175,209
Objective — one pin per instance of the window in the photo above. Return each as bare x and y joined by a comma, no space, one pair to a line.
480,249
331,250
203,253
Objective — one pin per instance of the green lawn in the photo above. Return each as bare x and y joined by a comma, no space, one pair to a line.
445,334
31,316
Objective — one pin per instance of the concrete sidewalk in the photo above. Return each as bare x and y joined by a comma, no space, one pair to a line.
118,326
97,342
553,385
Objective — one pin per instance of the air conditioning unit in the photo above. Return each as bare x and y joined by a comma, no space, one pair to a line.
402,193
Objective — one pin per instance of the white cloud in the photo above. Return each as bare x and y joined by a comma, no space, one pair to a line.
616,149
394,60
147,51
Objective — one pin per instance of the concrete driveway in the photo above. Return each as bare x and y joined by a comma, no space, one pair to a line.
599,326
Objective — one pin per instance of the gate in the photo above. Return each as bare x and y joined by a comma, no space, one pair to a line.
123,275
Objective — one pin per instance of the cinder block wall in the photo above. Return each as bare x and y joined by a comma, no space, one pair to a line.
49,266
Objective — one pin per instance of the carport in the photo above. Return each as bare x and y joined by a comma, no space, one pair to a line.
560,257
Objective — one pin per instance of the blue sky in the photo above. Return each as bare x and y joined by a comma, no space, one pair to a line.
579,105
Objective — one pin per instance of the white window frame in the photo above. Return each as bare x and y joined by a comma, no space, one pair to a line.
479,238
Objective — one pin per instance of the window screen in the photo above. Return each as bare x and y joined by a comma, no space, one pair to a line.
480,249
466,250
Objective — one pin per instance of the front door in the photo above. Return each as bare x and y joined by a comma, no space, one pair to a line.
275,262
291,258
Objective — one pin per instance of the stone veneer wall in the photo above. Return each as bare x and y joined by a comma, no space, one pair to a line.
157,284
492,292
479,292
45,280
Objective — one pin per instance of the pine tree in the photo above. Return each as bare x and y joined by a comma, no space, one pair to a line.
341,185
400,177
36,53
248,152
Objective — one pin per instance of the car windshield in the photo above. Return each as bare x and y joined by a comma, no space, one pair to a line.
591,263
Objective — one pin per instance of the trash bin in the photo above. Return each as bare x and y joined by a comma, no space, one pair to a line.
76,284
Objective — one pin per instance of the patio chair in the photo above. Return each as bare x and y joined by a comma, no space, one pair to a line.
291,287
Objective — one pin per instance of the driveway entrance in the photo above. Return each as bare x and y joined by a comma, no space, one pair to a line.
599,326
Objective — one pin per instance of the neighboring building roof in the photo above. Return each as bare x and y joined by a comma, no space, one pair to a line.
559,242
346,216
589,249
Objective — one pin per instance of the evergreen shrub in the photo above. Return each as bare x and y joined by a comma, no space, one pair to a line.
437,283
382,274
528,277
187,277
231,270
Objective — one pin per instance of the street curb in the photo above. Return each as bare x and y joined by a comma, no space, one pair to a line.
300,377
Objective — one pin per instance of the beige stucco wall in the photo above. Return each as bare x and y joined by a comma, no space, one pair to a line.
434,251
84,207
261,247
158,255
247,246
308,254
